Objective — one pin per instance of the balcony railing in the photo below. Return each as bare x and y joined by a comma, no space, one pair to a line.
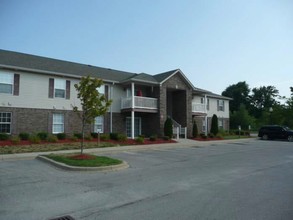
139,102
198,107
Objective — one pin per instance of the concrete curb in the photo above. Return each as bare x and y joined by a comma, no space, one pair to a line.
110,150
124,165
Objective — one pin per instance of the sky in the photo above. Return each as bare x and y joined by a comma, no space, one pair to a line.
215,43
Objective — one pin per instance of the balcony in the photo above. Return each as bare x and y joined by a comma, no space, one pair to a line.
143,104
198,108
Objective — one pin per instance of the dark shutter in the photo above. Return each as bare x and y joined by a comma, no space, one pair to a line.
107,92
67,89
218,105
51,88
16,84
223,105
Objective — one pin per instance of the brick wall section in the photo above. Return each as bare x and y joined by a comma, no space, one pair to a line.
40,120
176,83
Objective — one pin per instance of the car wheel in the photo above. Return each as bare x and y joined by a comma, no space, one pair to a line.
290,138
265,137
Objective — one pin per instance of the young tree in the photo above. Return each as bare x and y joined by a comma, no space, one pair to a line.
214,126
93,103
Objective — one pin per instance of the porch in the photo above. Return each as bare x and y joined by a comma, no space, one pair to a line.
140,103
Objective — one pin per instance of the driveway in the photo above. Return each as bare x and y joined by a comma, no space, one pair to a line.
244,180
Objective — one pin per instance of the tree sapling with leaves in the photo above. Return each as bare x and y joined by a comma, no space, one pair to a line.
93,103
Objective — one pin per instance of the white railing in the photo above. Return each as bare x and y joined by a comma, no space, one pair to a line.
178,130
139,102
198,107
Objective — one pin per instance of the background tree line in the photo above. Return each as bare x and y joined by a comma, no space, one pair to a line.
258,106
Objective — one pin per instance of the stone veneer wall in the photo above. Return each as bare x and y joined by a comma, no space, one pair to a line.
176,83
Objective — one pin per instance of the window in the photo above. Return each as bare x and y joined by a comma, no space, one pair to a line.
60,88
58,123
202,100
99,124
203,125
208,104
220,123
137,126
6,83
5,122
221,106
101,89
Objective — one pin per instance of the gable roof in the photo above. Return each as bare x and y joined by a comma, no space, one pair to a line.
48,65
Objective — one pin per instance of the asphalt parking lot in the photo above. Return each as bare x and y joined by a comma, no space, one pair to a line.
243,180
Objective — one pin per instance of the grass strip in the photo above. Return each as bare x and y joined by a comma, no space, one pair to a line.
93,161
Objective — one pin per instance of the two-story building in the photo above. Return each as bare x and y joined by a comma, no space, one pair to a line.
37,94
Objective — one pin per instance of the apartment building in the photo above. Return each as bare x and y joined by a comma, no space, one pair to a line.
38,94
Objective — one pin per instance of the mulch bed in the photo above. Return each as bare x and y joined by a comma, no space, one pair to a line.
207,139
127,142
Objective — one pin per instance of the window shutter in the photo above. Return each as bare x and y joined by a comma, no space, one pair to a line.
107,92
223,105
218,105
51,88
16,85
67,89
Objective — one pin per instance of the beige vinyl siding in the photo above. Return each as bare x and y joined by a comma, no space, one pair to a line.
118,93
214,109
33,93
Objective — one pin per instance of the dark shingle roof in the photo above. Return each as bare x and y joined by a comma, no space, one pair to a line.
28,61
162,76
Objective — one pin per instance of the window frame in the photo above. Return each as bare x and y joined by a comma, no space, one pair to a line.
6,83
221,105
10,123
54,123
58,82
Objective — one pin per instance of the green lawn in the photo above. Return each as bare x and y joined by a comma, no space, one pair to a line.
92,161
230,137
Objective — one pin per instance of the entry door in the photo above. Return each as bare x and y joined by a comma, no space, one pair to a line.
137,126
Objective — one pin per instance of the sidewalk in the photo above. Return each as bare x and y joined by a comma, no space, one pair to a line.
180,143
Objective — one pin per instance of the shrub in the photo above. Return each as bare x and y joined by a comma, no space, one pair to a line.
61,136
73,138
214,126
168,128
52,138
153,137
139,140
15,139
194,129
166,138
211,135
24,136
42,135
114,136
78,135
105,137
4,137
122,137
202,135
94,135
88,137
34,139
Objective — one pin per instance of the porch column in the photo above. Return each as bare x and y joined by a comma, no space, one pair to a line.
132,110
206,114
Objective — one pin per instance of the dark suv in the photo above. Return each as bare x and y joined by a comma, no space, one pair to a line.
275,132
